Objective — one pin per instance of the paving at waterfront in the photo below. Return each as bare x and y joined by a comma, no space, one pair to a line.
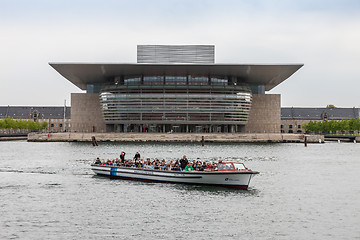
173,137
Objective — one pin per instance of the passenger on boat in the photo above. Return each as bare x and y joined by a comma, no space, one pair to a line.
142,163
189,167
208,166
176,166
170,165
162,165
183,163
148,162
215,166
98,161
203,167
108,162
198,166
137,156
129,163
137,163
122,157
154,165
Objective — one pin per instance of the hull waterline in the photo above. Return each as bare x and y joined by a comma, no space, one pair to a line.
230,179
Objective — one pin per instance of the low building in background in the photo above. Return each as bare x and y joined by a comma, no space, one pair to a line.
54,116
292,118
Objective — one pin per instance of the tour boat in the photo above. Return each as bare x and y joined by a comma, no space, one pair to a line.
227,174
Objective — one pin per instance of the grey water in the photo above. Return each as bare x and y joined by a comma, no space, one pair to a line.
48,191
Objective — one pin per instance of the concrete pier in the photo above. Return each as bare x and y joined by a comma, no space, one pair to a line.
174,137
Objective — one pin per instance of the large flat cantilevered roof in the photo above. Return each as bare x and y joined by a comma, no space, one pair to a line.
81,74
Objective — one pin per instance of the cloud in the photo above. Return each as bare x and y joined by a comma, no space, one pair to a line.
320,34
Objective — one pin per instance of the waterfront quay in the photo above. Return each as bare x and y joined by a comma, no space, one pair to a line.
175,137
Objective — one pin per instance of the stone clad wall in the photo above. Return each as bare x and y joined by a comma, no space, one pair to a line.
86,114
265,114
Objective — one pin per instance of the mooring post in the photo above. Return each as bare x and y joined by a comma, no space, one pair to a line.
305,141
94,142
202,141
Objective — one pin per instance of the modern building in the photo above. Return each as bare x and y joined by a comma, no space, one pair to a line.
175,88
58,118
292,118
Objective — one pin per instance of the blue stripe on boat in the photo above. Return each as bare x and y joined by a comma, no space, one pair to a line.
113,171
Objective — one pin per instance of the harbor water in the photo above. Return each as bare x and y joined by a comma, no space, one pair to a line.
48,191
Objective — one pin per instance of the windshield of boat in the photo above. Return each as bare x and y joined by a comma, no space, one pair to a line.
239,166
225,166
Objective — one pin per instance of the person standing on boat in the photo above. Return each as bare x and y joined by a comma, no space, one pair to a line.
183,163
122,157
137,156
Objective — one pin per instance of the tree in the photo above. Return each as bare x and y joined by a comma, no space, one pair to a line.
9,123
357,124
326,126
345,126
44,125
310,126
330,106
333,125
2,124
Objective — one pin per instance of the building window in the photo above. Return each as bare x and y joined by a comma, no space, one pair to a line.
198,80
324,116
175,80
282,126
52,125
299,126
219,81
132,81
290,131
60,125
290,126
154,80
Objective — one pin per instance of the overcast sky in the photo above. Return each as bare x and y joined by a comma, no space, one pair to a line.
324,35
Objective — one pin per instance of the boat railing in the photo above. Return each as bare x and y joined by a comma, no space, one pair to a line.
221,167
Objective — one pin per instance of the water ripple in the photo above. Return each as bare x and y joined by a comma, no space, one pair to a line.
48,191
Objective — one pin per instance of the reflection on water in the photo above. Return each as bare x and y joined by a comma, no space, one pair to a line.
48,190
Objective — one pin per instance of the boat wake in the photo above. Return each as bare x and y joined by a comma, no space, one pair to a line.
26,172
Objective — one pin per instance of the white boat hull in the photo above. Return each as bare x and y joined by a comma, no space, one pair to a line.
233,179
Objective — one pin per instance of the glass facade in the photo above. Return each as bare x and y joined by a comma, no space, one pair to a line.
175,103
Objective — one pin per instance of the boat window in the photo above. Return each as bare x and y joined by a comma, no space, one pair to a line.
227,166
239,166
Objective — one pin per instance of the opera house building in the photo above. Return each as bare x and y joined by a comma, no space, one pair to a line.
175,88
